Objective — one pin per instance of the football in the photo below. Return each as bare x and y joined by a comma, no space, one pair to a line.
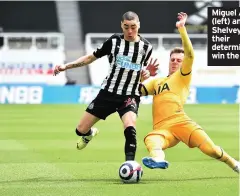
130,172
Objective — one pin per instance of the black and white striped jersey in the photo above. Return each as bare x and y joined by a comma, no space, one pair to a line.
126,62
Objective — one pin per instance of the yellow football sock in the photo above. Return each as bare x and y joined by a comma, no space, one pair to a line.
154,144
210,149
231,162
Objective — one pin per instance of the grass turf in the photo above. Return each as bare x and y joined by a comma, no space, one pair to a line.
38,154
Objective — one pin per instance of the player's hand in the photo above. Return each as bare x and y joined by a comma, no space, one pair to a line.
58,69
145,74
152,67
182,17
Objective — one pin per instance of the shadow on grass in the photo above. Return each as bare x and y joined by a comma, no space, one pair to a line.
189,179
113,180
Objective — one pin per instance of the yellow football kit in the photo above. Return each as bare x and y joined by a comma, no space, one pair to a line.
169,95
170,123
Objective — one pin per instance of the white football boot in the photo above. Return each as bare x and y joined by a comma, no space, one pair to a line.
83,141
237,168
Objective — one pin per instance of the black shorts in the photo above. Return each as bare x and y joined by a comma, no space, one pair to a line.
107,103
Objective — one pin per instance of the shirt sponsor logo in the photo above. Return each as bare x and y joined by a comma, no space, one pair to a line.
125,62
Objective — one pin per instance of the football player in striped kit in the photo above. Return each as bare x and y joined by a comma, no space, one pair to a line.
128,54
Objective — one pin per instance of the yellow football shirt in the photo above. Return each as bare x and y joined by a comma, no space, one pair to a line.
169,95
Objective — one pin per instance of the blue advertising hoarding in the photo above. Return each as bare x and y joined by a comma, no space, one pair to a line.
74,94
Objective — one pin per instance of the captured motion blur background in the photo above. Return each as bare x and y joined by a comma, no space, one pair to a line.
39,112
35,36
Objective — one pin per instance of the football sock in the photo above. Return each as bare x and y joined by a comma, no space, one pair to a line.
231,162
154,144
82,134
130,143
217,152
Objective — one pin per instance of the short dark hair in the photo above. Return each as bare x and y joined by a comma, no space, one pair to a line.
130,16
176,50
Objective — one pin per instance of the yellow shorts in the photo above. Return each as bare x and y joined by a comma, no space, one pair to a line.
174,132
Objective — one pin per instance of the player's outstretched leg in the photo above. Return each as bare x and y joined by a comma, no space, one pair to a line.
218,153
86,138
200,139
154,144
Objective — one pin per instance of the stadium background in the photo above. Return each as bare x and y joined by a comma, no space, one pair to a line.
39,111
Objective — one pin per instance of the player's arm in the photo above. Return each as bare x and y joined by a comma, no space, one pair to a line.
187,45
80,62
147,87
105,49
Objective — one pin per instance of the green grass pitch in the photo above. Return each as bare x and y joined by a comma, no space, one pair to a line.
38,155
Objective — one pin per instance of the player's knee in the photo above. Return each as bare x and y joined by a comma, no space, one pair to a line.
211,150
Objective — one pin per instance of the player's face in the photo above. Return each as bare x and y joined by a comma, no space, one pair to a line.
130,29
175,62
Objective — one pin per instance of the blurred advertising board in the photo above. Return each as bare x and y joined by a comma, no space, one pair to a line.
76,94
